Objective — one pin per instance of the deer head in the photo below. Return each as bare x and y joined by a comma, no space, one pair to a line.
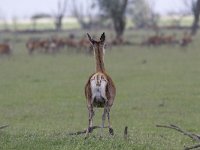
98,45
101,41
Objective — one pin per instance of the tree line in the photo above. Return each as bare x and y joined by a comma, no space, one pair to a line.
98,12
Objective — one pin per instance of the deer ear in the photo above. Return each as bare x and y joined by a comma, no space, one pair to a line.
90,39
103,37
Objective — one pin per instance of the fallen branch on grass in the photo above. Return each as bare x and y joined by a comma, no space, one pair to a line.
4,126
193,136
96,127
192,147
84,131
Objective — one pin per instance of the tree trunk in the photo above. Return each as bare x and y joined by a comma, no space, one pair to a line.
34,24
116,10
58,23
119,26
196,12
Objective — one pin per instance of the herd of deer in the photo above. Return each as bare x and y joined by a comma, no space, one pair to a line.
162,39
54,44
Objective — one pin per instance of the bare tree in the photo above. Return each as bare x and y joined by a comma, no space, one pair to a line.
14,21
38,16
142,13
115,9
193,7
59,14
80,15
87,15
196,12
3,20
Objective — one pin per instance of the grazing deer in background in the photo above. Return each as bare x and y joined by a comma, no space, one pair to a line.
33,44
99,90
172,39
187,39
153,40
5,49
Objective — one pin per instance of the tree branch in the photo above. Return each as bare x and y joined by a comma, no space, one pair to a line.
124,6
192,147
193,136
4,126
84,131
64,7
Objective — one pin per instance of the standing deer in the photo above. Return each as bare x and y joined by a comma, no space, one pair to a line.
5,49
187,39
99,90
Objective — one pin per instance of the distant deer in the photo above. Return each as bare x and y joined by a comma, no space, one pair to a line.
187,39
5,49
33,44
153,40
100,90
85,45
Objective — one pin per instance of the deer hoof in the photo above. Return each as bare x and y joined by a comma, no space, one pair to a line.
90,129
111,131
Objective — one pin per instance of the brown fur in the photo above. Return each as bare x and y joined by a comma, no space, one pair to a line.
5,49
187,39
110,91
33,45
46,45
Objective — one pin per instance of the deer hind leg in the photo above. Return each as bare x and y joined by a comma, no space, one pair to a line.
111,131
103,120
91,115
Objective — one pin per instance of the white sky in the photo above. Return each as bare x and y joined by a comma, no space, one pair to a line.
26,8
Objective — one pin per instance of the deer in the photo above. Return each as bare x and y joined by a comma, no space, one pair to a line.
32,45
100,89
187,39
153,40
5,49
85,45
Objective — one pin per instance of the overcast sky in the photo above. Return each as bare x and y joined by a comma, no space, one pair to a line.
26,8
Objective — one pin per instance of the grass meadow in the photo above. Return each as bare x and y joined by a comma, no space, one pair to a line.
42,96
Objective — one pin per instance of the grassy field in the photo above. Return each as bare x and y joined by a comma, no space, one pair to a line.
42,97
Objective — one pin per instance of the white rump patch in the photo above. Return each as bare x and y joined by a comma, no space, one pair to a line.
98,87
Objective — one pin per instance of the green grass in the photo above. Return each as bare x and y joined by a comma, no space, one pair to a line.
42,97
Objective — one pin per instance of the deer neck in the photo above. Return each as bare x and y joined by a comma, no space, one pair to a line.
99,57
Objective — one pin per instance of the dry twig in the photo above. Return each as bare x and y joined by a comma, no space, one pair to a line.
126,133
84,131
4,126
192,147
